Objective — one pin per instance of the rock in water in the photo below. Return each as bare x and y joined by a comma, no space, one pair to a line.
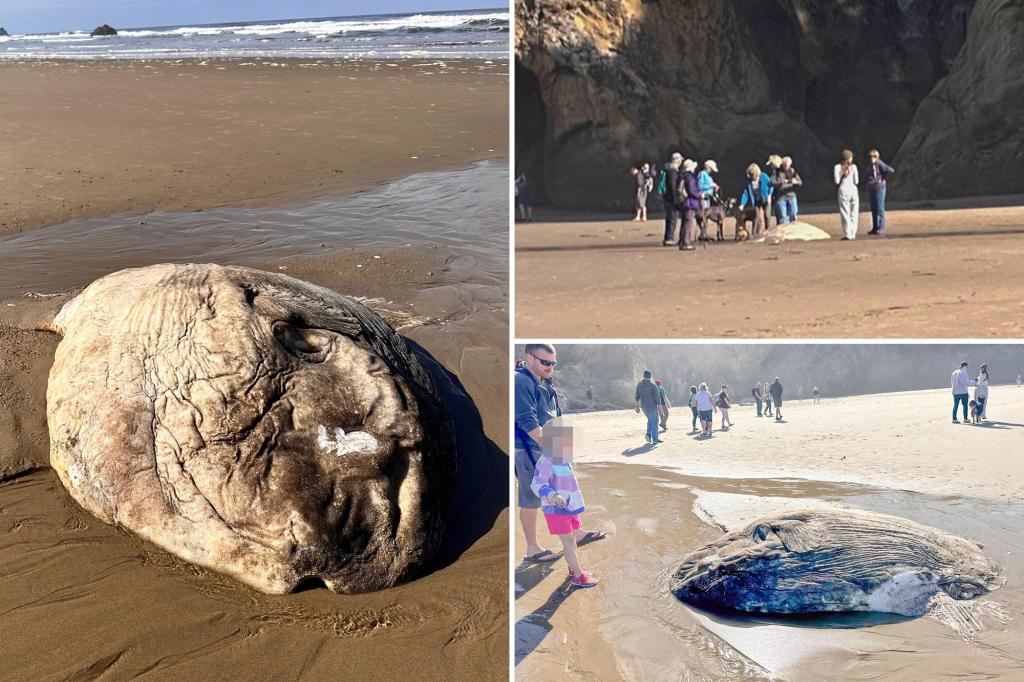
828,560
3,32
104,30
253,424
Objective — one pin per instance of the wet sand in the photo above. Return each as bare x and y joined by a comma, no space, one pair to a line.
81,599
658,503
630,627
93,138
952,271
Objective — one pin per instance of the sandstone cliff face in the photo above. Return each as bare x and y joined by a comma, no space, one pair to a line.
967,137
602,84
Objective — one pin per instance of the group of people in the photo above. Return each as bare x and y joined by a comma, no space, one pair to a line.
652,401
961,382
687,194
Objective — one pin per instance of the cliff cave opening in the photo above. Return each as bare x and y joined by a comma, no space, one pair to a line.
531,127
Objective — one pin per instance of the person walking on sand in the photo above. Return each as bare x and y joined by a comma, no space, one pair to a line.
536,403
663,405
668,185
878,173
689,194
705,408
960,381
845,174
817,395
555,484
723,404
981,390
647,399
758,194
776,392
693,408
641,188
756,393
766,392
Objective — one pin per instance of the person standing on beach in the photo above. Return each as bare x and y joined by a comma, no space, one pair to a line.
523,198
692,402
776,392
758,194
641,187
960,381
786,182
845,174
817,395
647,399
668,185
723,403
555,484
981,390
689,195
536,403
705,408
756,393
663,404
766,392
878,173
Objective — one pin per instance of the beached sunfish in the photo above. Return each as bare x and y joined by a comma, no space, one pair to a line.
253,424
834,560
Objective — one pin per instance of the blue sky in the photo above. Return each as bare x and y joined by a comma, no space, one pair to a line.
49,16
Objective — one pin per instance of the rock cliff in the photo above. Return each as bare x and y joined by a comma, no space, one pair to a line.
601,84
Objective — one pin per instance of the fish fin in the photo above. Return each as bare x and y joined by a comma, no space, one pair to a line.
798,536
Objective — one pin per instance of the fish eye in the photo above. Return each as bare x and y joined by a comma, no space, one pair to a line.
310,345
761,532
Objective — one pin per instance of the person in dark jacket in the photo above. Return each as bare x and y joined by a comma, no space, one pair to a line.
668,197
756,393
689,199
776,391
785,182
878,172
647,399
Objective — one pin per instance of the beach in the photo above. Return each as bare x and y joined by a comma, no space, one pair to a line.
95,138
388,183
947,269
892,453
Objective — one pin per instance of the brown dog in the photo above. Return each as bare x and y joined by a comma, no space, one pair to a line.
742,216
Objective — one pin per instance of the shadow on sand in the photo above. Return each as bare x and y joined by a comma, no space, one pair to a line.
481,486
532,628
998,425
633,452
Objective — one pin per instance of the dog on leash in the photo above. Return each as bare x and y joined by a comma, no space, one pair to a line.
975,413
715,214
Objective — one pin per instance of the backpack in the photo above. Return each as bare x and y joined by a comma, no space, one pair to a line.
720,400
662,182
681,190
523,436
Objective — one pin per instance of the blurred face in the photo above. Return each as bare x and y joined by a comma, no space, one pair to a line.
541,363
755,174
558,443
786,163
874,157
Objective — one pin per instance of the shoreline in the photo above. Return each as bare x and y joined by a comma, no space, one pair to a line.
96,138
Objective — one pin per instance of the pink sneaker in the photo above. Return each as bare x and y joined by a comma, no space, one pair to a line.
584,579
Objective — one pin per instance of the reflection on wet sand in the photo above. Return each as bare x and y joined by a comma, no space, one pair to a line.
631,627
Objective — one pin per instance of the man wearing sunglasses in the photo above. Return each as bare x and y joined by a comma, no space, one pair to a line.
536,403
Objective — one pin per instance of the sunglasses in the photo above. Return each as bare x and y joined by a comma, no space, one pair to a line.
546,363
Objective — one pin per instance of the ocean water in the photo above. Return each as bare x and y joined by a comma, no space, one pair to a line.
481,34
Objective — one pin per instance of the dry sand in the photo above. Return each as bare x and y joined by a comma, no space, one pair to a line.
944,272
93,138
80,599
659,504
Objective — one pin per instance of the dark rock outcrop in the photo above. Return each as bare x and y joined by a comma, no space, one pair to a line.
602,84
967,137
3,32
104,30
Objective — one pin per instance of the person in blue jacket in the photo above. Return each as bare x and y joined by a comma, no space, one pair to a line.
758,194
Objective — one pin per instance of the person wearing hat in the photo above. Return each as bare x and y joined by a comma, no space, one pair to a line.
706,183
878,172
981,390
960,381
689,193
668,189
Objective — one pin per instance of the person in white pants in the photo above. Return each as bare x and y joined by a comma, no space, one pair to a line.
847,180
981,391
